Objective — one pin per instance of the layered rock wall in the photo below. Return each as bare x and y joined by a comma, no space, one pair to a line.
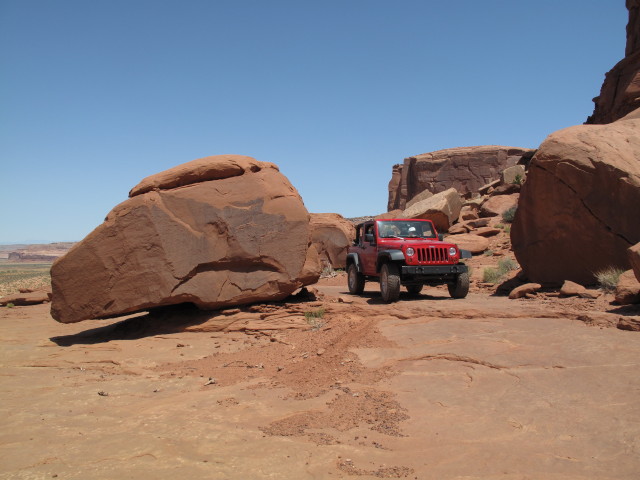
466,169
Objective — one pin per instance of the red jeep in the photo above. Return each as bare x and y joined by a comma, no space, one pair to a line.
405,252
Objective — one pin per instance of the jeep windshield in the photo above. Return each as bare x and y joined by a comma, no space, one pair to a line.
405,229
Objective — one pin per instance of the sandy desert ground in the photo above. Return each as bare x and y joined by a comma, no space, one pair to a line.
427,388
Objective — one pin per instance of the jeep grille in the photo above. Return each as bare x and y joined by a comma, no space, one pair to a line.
433,254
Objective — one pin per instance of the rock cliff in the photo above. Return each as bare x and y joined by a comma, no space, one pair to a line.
465,168
620,92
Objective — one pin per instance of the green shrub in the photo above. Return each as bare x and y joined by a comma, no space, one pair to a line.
488,253
518,179
507,229
494,275
509,214
10,305
506,265
608,278
491,275
313,318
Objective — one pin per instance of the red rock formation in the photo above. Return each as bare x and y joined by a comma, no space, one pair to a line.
633,27
620,92
468,241
331,234
442,209
578,209
498,204
214,242
466,169
627,289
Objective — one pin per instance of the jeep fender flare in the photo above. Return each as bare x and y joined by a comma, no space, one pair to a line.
389,256
353,258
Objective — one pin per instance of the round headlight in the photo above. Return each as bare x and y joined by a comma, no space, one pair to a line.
452,251
410,251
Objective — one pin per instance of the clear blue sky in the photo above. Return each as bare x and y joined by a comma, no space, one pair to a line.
97,94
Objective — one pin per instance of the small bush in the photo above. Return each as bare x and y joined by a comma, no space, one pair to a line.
494,275
313,318
491,275
499,225
509,215
506,265
507,229
327,271
10,305
488,253
608,278
518,179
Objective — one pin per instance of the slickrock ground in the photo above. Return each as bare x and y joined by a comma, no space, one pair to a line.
427,388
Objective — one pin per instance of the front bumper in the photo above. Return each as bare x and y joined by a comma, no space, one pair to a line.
434,270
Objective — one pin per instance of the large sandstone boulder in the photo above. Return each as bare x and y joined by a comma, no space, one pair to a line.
389,215
627,289
498,204
513,175
578,210
620,92
331,234
470,242
466,169
419,197
443,209
215,232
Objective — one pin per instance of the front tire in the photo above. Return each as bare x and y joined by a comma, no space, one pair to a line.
389,283
460,288
355,280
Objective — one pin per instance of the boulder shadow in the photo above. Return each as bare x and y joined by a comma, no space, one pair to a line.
162,321
374,298
159,321
625,310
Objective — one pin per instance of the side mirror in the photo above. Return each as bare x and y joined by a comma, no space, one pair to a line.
441,237
369,238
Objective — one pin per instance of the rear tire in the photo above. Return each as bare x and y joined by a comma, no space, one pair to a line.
414,289
461,287
355,280
389,283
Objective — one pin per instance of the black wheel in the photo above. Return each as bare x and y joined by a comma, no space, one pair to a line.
414,289
389,283
355,280
461,287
